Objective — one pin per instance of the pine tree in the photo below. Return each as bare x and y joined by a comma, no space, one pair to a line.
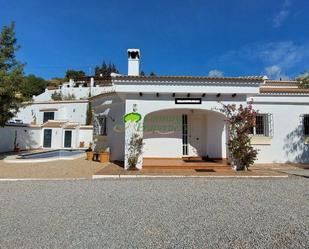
11,75
106,70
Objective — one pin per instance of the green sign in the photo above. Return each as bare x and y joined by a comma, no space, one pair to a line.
132,117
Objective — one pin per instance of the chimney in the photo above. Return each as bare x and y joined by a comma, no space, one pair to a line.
133,61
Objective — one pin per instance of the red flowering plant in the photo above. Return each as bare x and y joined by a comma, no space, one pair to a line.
239,122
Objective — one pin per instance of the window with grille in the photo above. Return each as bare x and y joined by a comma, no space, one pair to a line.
100,125
185,134
263,125
306,124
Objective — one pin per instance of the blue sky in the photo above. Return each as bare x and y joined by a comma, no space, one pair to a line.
192,37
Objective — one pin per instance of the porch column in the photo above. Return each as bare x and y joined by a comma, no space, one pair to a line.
132,128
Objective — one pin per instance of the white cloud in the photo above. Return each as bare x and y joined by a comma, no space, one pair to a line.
275,56
274,72
215,73
282,15
280,18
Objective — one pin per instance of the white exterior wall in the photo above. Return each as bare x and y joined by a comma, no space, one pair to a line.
79,92
159,143
287,143
216,135
114,108
85,135
70,111
209,139
27,138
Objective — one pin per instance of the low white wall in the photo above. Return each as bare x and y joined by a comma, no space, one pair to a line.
27,138
79,92
86,136
163,134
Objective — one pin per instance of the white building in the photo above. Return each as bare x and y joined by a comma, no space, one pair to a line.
81,88
180,115
48,125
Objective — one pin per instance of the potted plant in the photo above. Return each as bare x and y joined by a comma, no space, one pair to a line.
104,156
89,152
81,144
239,122
135,151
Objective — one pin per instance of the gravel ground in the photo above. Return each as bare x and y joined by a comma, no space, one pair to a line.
153,213
78,168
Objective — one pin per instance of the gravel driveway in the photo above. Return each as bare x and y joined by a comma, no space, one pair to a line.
153,213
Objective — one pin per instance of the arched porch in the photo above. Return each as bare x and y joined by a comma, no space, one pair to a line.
181,133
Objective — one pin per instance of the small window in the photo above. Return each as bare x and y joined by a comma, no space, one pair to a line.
100,125
306,124
48,116
262,125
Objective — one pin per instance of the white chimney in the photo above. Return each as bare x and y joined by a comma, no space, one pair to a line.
133,61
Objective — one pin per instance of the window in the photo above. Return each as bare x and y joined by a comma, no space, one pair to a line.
184,134
306,124
263,125
100,125
48,116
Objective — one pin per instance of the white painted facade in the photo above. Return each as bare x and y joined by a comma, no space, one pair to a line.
81,89
73,111
29,124
28,127
281,102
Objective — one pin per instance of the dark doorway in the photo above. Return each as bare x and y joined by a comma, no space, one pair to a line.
47,138
67,139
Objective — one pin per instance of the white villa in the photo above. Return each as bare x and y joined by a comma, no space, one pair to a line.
180,115
44,123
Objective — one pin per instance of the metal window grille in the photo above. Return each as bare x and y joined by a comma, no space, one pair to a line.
185,134
100,125
263,125
306,125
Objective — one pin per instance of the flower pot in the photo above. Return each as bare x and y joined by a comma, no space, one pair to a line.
17,150
89,155
104,157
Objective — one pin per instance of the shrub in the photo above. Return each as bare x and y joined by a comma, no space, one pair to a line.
239,121
135,150
56,96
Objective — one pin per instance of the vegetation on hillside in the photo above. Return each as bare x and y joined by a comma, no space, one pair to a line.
105,70
73,74
32,86
57,96
303,80
11,75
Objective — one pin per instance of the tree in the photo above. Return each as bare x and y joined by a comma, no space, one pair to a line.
55,82
152,74
239,121
89,115
303,80
142,73
73,74
105,70
11,75
32,85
